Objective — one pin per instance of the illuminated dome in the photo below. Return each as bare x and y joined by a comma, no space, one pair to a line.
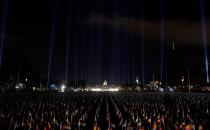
105,83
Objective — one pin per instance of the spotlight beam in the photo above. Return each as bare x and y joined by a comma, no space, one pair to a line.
68,38
77,41
142,41
115,67
161,39
52,38
204,32
3,31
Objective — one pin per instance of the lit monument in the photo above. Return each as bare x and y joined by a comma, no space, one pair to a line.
105,83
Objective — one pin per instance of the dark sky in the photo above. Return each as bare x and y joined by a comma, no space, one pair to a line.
105,38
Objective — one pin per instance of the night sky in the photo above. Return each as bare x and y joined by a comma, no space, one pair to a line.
115,40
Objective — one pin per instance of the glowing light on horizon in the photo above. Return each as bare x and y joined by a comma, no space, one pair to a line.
137,81
104,89
96,89
63,87
171,90
161,89
114,89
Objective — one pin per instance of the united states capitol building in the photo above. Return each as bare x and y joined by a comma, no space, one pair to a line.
104,87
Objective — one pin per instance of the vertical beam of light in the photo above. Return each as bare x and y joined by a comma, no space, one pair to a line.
128,68
68,38
142,42
90,50
161,39
124,72
78,57
204,32
115,68
133,61
77,42
3,31
75,59
82,42
97,44
94,48
121,51
67,57
82,56
98,55
133,56
126,48
52,38
90,54
123,48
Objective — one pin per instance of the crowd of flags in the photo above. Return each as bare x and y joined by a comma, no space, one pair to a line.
104,111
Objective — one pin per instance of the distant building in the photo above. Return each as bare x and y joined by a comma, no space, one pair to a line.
105,83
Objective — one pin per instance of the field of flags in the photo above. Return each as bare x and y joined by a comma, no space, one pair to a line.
104,111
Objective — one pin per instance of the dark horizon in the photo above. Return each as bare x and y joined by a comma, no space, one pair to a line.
105,40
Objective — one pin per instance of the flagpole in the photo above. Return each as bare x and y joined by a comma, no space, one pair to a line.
189,78
11,119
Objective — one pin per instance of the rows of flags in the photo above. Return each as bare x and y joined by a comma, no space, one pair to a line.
124,111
